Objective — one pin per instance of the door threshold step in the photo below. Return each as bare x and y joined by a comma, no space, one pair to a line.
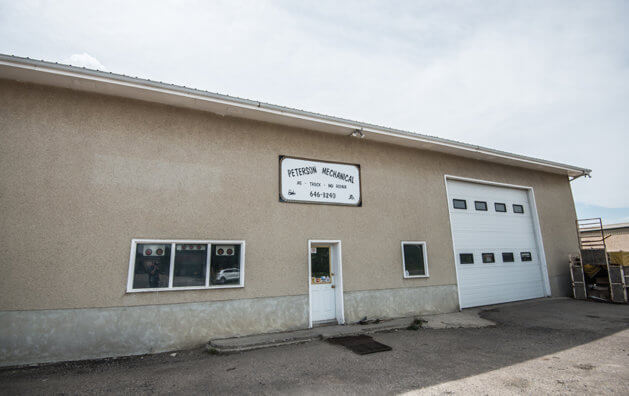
325,323
468,318
248,343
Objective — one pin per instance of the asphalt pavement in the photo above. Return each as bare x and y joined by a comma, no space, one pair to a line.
541,346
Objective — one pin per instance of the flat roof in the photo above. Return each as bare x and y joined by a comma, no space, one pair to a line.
82,79
615,226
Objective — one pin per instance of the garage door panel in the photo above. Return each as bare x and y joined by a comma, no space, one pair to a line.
487,235
463,219
479,232
470,189
493,231
498,292
523,283
498,273
485,238
485,268
500,295
499,289
513,223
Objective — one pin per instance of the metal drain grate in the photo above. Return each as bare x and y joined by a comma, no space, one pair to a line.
360,344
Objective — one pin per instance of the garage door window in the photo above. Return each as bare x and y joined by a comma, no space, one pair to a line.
507,257
466,258
488,258
414,260
526,256
480,205
459,204
500,207
518,208
158,265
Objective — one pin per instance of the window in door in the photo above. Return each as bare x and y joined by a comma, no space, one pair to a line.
320,265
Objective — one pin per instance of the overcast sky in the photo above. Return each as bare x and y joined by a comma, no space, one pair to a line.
549,79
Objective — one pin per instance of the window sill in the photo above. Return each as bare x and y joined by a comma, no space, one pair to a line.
415,276
165,289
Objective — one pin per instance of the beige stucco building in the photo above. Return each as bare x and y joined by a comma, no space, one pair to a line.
140,217
616,236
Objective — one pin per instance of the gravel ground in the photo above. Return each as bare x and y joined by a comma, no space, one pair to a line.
542,346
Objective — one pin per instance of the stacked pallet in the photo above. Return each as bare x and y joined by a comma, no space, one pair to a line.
579,288
621,258
595,274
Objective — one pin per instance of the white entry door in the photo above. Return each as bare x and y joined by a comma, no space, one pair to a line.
323,282
495,242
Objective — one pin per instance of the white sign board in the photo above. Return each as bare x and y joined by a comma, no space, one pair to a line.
310,181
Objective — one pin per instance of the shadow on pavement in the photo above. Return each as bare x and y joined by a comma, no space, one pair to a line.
419,359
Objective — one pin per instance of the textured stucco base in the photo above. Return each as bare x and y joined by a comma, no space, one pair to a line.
73,334
395,303
41,336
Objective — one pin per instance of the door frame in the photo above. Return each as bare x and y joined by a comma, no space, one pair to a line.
335,247
536,226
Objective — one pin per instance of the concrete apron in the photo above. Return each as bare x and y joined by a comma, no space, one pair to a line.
468,318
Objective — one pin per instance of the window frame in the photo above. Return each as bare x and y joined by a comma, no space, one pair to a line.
512,257
530,253
482,258
461,200
425,250
481,202
466,253
500,211
173,243
519,206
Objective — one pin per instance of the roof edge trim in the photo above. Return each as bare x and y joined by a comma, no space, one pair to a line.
170,89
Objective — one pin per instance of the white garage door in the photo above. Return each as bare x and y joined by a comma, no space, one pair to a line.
495,244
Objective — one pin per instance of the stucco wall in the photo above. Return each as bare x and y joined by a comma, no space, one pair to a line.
618,242
91,333
81,175
615,240
399,303
37,336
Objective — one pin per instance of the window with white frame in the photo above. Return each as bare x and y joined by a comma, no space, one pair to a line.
157,265
414,261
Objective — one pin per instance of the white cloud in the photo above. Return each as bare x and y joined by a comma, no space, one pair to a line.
85,60
546,79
